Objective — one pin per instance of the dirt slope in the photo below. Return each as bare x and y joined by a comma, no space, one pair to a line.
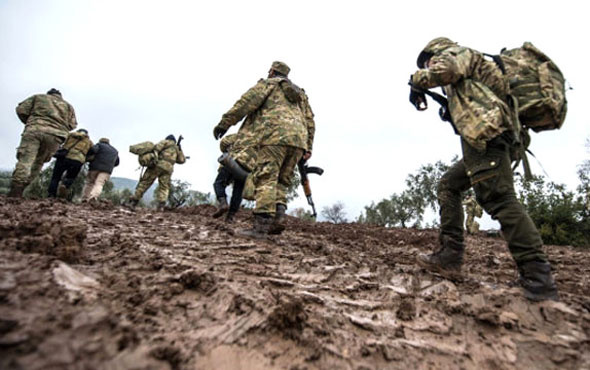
99,287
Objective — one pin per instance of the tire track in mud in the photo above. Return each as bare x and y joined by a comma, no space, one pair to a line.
158,290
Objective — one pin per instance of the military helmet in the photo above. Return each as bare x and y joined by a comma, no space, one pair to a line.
53,91
435,46
280,67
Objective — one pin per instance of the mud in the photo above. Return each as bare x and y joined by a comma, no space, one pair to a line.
100,287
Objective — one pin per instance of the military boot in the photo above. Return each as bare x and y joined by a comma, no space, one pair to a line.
161,206
229,217
222,207
62,192
278,223
131,203
536,281
16,189
260,228
447,260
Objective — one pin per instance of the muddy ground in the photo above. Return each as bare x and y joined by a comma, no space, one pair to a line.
100,287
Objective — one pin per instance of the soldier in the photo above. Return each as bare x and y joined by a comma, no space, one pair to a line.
48,118
168,154
477,95
69,160
283,126
105,158
473,210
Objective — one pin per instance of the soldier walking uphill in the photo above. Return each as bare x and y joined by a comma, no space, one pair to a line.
104,159
282,123
168,154
69,160
48,119
477,94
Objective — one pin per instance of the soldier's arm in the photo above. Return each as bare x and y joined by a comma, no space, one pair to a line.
180,158
309,121
248,103
444,69
71,121
23,110
227,142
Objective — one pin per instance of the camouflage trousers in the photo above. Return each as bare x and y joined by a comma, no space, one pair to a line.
150,175
275,165
490,175
35,149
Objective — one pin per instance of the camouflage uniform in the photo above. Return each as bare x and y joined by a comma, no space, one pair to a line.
282,127
78,145
473,210
48,118
168,154
477,95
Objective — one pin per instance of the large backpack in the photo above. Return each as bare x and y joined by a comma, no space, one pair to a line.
147,157
538,85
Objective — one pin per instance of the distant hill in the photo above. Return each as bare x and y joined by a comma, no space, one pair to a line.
121,183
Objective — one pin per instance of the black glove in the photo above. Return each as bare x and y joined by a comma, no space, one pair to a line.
417,98
218,132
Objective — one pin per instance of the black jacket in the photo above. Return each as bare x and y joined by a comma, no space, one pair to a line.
105,159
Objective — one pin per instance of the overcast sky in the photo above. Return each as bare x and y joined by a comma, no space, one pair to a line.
140,70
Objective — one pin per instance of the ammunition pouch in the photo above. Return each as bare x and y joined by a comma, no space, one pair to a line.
234,167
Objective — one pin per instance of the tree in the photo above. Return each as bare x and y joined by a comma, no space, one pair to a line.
409,206
560,215
398,210
335,213
303,214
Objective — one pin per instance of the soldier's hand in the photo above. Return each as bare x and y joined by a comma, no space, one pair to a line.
417,97
218,132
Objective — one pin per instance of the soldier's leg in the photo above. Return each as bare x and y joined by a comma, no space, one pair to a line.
268,166
236,195
222,180
469,222
448,259
491,175
48,146
164,183
58,170
286,173
148,178
72,171
26,153
101,179
91,177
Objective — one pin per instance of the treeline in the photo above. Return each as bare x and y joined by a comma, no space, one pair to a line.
561,215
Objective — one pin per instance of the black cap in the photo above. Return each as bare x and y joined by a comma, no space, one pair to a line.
53,91
171,137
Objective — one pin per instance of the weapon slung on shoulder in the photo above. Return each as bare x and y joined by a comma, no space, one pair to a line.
304,169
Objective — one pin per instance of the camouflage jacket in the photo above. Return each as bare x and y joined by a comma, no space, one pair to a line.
309,121
47,113
168,154
476,91
242,147
272,118
78,144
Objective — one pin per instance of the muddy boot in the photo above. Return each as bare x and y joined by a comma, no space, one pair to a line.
222,207
536,281
260,229
62,192
131,204
229,217
16,190
278,223
447,260
161,206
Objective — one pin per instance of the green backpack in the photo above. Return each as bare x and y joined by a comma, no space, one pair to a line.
538,85
146,155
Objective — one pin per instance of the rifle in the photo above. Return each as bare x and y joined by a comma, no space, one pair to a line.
178,142
304,169
417,96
